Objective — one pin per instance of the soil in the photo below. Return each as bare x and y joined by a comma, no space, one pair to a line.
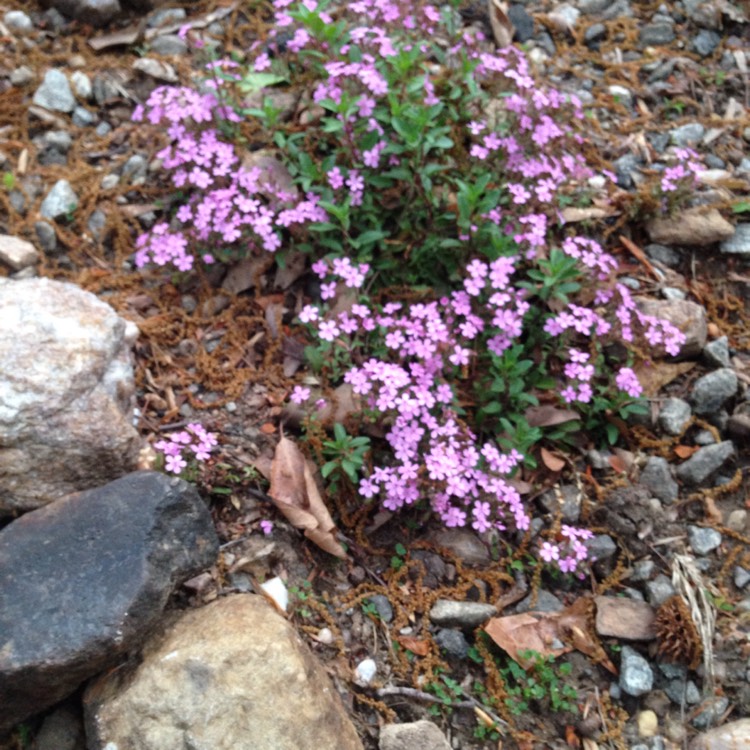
231,360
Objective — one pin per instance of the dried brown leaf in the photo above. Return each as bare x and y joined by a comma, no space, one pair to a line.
296,494
653,376
415,645
502,28
552,461
529,631
548,415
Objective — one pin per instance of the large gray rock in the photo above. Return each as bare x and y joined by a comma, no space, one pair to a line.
83,579
233,675
735,734
66,393
711,391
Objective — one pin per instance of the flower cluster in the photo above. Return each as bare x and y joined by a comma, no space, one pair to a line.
194,439
569,552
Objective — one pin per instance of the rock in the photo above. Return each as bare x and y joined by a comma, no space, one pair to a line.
687,135
689,317
59,202
656,34
657,478
737,520
674,415
82,85
61,730
659,590
22,76
567,502
545,602
738,425
233,675
648,723
731,736
47,236
417,735
741,577
169,44
55,93
464,544
624,618
682,690
691,227
601,547
716,352
739,242
17,20
706,42
668,256
17,253
713,390
523,23
66,393
365,671
636,676
703,540
94,12
82,580
468,615
705,462
453,642
713,708
382,606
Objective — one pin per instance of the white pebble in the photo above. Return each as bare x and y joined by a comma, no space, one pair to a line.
365,672
276,589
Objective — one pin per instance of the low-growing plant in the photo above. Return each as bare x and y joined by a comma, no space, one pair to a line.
184,450
426,183
345,455
540,687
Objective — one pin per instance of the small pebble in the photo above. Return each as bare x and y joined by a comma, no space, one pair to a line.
365,672
648,723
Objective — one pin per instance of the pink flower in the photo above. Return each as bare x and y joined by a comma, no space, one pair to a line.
300,394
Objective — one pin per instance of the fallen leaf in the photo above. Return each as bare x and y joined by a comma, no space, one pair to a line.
552,461
548,415
268,428
502,28
296,494
571,737
572,214
538,631
685,451
415,645
247,273
529,631
653,376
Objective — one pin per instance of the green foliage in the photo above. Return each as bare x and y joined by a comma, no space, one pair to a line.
540,687
345,455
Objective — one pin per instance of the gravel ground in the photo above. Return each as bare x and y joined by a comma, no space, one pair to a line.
654,76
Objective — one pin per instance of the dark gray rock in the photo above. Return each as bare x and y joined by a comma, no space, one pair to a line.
523,23
710,715
568,502
594,34
703,540
706,42
713,390
655,34
169,44
636,676
716,352
657,478
383,607
452,642
741,577
705,462
545,602
94,12
61,730
84,578
47,236
661,253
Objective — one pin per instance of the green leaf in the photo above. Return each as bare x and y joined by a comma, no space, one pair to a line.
252,82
